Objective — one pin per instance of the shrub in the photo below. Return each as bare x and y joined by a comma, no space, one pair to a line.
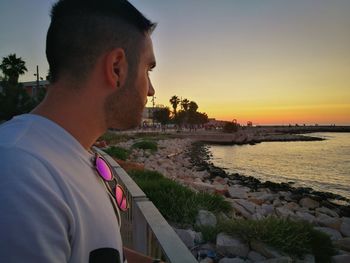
146,145
295,238
177,203
118,152
113,138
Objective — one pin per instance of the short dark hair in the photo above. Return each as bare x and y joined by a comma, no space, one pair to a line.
82,30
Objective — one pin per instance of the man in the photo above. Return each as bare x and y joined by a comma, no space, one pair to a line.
54,207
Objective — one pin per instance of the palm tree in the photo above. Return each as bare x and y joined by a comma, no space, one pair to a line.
174,101
184,104
12,67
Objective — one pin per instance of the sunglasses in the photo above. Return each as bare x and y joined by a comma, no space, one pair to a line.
115,189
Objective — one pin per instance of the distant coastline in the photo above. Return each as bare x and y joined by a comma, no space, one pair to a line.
253,135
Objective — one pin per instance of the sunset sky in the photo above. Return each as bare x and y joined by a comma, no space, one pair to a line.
267,61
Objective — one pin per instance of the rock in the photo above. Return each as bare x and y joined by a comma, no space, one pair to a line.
341,259
328,221
332,233
255,256
305,217
187,236
284,212
277,203
267,209
343,243
265,250
286,195
228,245
292,206
345,227
221,189
327,211
240,209
203,186
205,218
237,192
249,206
231,260
309,203
278,260
263,196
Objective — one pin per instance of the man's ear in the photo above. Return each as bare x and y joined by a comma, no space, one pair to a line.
116,67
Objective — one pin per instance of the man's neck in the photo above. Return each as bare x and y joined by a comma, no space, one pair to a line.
73,113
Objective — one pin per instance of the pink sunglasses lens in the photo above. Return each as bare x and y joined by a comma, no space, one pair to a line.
103,169
121,198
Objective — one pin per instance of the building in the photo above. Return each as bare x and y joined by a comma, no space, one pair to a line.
31,87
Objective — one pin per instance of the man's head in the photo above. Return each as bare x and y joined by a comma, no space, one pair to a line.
112,34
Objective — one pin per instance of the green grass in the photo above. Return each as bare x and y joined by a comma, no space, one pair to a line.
118,152
177,203
114,138
146,145
295,238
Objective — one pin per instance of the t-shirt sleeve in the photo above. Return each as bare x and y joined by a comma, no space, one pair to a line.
35,221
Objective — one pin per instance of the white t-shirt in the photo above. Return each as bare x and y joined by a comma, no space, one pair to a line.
53,206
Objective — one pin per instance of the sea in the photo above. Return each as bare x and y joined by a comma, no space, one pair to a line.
321,165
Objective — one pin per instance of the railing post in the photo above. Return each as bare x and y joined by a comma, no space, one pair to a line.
139,230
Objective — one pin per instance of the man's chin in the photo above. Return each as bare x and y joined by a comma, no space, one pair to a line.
125,126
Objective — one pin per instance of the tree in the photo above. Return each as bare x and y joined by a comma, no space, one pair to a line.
12,67
184,104
192,106
14,100
174,101
162,115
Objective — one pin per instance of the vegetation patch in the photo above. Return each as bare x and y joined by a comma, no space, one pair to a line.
114,138
177,203
118,152
146,145
295,238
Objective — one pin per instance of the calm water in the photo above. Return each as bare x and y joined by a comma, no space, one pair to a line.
322,165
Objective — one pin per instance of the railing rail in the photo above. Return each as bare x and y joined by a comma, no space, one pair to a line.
143,228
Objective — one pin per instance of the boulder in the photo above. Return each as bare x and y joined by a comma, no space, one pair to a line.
345,227
240,209
229,245
309,203
284,212
341,259
203,187
305,217
187,236
327,211
267,209
249,206
265,250
292,206
237,192
221,189
332,233
343,243
255,256
231,260
328,221
205,218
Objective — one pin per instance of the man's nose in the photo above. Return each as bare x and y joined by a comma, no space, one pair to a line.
150,90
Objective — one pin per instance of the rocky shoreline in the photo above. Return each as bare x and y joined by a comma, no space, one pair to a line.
188,162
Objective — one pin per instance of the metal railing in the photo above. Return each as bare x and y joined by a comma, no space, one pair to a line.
143,228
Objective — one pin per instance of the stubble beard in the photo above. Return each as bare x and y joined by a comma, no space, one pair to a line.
123,108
